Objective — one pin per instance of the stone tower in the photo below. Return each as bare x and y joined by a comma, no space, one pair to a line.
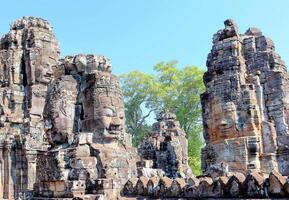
245,106
27,54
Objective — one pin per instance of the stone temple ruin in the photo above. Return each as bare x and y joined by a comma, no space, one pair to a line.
62,125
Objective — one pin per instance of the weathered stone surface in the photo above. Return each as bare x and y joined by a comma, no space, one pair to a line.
245,127
245,105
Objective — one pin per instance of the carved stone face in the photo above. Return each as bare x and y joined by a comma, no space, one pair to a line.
110,117
59,110
227,121
39,68
43,74
224,120
41,52
103,105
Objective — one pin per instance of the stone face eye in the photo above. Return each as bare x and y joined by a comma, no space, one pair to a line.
121,114
108,112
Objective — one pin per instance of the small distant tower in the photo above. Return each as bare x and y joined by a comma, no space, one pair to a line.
167,146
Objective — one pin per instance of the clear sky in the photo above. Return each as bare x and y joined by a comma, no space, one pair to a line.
138,34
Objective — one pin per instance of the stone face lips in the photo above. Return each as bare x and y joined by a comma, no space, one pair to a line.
245,106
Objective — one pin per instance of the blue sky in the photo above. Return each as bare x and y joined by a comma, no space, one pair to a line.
138,34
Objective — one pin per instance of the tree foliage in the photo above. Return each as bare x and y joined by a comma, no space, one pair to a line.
169,88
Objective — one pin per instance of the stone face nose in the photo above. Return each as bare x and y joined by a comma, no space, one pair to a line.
49,70
116,121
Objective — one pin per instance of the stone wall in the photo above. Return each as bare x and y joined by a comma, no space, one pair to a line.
230,186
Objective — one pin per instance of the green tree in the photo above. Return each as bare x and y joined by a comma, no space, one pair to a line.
169,88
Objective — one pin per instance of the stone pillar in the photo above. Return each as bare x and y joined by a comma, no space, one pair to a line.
253,146
31,157
1,172
8,181
18,171
269,144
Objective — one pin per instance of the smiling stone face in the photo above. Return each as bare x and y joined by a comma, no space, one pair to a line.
43,74
41,51
39,73
103,108
227,122
222,121
110,116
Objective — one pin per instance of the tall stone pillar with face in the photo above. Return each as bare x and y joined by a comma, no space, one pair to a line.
231,112
27,53
38,51
103,115
245,104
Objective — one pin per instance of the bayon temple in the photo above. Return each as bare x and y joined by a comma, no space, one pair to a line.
62,125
